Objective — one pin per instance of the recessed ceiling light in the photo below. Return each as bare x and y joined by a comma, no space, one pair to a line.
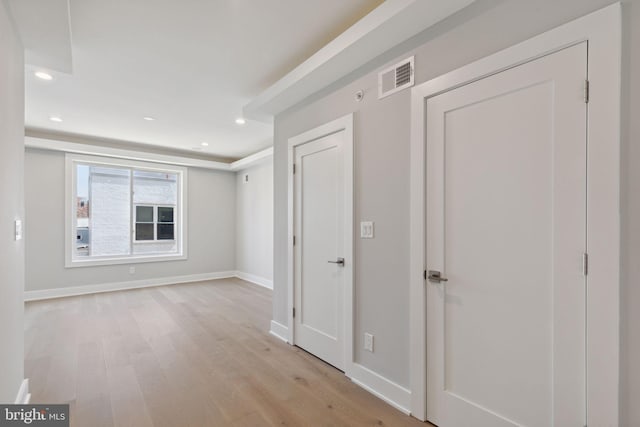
55,119
149,119
42,75
240,121
204,144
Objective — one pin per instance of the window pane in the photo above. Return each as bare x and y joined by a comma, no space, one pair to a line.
82,211
165,214
110,202
165,231
144,231
144,214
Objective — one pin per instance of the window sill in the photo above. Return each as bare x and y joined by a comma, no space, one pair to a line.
124,260
149,242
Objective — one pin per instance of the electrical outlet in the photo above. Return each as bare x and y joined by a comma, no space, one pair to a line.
368,342
132,270
366,230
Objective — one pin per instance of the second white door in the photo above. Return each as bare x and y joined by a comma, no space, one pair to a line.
320,272
506,221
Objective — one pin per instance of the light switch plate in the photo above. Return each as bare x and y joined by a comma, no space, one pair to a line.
18,229
366,230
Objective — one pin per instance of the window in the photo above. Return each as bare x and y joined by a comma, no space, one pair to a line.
154,223
165,226
123,211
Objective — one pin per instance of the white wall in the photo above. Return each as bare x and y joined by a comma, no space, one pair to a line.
254,205
382,173
11,208
211,227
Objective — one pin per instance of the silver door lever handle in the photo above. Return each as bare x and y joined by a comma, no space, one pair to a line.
339,261
436,277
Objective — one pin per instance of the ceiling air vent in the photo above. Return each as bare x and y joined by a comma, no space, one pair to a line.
395,78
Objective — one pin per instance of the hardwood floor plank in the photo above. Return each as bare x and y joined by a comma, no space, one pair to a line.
93,412
127,402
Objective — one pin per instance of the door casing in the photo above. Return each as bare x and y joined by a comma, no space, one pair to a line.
602,31
343,124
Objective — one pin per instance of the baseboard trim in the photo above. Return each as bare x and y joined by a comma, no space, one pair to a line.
23,397
119,286
266,283
279,331
392,393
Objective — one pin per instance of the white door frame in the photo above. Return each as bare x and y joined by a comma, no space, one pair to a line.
602,31
345,124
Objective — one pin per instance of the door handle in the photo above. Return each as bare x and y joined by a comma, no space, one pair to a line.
339,261
436,277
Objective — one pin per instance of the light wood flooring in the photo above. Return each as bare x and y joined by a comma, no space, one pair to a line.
185,355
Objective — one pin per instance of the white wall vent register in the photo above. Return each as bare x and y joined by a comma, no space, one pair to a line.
396,78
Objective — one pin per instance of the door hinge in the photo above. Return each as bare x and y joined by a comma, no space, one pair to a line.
585,263
294,312
586,91
424,274
294,168
294,240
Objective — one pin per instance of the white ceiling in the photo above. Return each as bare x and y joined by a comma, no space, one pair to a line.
192,65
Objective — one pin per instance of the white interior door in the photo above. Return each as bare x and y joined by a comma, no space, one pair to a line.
319,271
506,220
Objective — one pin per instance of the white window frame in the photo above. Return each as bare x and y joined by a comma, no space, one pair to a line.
179,220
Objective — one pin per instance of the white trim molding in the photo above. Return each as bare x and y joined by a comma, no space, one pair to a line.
145,283
23,397
279,331
395,395
342,124
251,160
118,153
120,286
257,280
602,31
